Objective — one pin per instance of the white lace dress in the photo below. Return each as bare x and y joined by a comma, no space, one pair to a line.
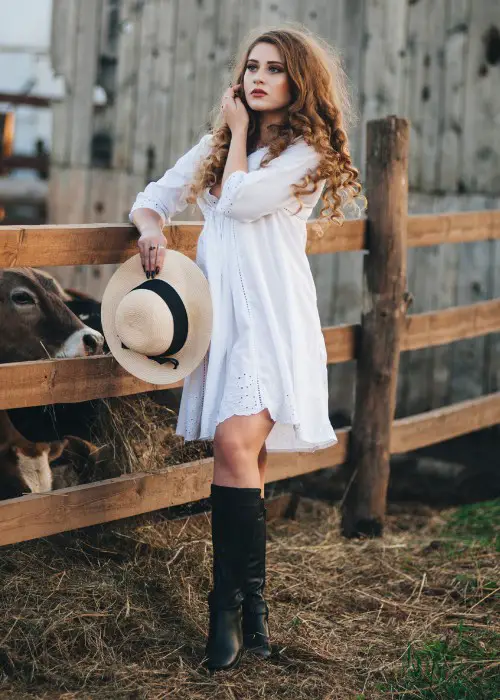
267,349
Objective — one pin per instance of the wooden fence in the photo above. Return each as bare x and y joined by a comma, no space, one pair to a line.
385,331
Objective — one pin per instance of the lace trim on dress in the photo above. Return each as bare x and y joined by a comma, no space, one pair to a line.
146,202
226,199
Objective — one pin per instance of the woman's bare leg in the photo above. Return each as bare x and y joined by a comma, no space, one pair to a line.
239,450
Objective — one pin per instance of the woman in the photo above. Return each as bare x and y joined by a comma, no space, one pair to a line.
263,383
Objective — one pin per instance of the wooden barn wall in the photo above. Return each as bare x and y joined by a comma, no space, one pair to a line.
163,64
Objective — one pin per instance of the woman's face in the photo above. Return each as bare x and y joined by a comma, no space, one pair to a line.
266,71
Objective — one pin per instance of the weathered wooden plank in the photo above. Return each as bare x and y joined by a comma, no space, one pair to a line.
468,355
384,277
347,21
204,97
492,354
449,325
432,93
41,515
87,244
126,83
450,146
339,279
424,72
94,244
82,105
81,379
59,37
383,45
445,423
454,227
62,124
481,145
48,381
413,92
143,136
183,82
445,286
163,96
418,365
67,381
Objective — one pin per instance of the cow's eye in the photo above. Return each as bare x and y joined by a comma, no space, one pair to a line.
23,298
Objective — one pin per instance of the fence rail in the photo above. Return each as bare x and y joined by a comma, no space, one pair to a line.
99,244
385,233
84,378
41,515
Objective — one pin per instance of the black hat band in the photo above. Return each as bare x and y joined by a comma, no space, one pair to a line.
179,314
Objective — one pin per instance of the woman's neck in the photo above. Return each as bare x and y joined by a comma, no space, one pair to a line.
266,119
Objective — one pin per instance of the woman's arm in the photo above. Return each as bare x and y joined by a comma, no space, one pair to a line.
150,226
154,206
248,196
237,155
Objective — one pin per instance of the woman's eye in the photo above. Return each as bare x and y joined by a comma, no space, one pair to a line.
271,68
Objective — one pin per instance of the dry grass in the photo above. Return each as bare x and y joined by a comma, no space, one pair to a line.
119,611
141,435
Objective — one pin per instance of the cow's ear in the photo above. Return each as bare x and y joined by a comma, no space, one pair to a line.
51,284
56,449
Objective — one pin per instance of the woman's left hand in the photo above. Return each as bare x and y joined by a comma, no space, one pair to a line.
233,110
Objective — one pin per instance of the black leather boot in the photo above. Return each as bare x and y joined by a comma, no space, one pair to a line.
234,512
255,620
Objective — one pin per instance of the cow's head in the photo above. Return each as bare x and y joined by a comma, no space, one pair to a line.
35,321
25,465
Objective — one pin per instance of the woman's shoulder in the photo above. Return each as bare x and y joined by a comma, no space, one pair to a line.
302,151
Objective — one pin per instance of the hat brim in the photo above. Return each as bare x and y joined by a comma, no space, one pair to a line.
192,286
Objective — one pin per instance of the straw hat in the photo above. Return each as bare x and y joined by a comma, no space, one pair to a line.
158,329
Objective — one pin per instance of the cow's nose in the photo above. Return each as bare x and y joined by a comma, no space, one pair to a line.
93,342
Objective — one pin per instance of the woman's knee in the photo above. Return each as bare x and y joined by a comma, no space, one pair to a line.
232,449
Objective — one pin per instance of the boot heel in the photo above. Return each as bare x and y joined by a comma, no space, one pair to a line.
225,639
255,625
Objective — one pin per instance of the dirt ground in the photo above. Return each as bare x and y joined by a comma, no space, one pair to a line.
120,611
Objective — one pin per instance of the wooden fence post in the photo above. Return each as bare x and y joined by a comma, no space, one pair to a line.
384,307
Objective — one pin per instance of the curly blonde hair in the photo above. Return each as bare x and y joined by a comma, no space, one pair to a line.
319,108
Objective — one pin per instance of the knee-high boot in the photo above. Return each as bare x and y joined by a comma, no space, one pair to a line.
255,611
234,513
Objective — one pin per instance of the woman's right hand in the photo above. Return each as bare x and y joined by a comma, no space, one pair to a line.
152,247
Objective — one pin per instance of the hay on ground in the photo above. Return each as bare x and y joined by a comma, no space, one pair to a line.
119,610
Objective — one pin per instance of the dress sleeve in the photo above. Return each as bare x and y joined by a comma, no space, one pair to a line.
168,195
249,196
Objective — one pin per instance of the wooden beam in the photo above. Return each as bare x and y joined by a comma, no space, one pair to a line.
41,515
441,424
85,378
459,227
98,244
83,244
68,381
382,320
448,325
30,100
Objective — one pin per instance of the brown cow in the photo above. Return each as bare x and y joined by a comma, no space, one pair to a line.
25,465
36,324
